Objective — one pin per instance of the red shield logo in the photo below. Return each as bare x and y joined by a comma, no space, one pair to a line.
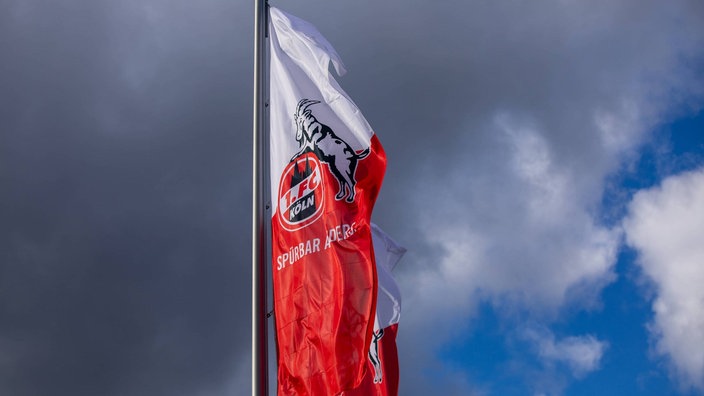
301,193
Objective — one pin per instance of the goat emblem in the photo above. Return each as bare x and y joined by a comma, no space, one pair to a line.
317,138
374,355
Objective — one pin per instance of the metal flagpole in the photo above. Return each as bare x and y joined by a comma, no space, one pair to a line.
259,149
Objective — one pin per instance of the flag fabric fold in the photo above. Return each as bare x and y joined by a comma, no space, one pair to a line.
382,376
326,170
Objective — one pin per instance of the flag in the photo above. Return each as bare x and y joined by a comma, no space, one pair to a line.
326,169
382,376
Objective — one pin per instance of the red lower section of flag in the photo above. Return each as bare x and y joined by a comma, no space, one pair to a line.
382,375
324,275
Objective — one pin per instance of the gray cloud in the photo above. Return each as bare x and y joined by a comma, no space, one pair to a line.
125,175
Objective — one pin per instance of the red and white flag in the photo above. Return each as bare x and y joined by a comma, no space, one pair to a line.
382,376
326,169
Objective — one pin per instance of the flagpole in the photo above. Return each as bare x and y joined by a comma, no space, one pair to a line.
259,148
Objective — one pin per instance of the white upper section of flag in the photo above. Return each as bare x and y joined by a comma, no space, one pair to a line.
300,60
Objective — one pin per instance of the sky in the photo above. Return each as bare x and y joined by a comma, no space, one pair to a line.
545,172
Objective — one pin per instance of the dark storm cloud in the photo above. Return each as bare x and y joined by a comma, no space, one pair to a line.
125,197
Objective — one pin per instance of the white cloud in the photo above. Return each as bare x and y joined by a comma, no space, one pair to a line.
520,236
521,233
666,225
582,354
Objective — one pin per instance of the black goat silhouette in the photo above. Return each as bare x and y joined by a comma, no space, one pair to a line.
318,138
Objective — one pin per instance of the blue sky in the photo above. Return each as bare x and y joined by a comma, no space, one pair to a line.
545,166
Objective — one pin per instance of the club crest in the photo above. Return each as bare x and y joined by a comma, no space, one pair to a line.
301,193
